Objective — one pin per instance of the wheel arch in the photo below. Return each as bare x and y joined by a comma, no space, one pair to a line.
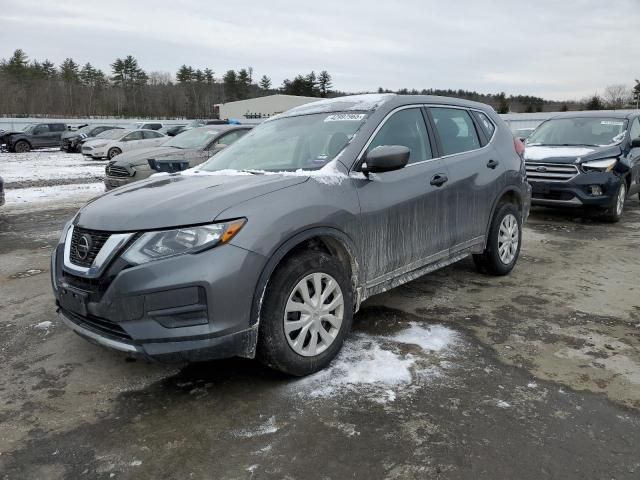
510,193
327,239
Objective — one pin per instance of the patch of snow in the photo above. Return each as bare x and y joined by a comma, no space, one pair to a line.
532,385
43,325
434,338
58,194
345,103
135,463
54,165
503,404
268,427
375,368
542,152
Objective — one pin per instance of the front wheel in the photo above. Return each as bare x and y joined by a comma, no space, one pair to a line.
113,152
22,147
306,314
614,213
503,244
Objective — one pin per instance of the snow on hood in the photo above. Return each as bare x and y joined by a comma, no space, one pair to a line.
364,102
328,175
542,152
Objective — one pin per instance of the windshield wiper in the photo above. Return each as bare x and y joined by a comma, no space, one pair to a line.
253,172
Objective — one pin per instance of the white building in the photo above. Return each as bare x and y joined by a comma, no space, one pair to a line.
261,107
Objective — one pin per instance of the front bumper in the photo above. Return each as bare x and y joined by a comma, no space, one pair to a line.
94,152
114,182
577,192
187,308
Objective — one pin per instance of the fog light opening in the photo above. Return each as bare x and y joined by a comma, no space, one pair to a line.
595,190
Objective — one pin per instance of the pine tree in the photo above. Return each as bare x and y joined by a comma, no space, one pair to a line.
230,83
184,74
265,83
324,83
594,103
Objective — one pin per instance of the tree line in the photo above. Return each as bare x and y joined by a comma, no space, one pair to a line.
32,87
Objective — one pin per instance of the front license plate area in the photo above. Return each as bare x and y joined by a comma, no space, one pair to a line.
539,188
73,300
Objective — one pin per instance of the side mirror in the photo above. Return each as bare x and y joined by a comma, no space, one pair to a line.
385,158
635,143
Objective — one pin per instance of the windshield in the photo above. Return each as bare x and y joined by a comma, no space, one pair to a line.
29,127
115,133
287,144
588,131
197,138
86,129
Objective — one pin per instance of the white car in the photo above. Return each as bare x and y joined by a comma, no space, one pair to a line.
113,142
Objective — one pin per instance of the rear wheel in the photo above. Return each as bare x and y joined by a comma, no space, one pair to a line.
503,244
615,211
113,152
22,147
306,314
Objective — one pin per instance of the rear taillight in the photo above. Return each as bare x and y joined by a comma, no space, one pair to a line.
519,146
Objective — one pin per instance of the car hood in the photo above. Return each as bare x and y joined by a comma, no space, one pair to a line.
569,154
142,155
176,200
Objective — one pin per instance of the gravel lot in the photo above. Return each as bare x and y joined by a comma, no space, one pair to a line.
455,375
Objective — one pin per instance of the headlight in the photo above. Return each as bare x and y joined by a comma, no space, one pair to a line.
605,165
169,243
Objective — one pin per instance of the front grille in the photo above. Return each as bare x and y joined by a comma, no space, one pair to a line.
115,171
554,195
550,172
99,325
94,238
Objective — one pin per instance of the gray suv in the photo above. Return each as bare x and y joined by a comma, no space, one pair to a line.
269,248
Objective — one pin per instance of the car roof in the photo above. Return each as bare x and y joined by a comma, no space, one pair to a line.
372,102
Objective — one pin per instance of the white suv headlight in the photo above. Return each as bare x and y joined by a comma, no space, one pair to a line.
605,165
169,243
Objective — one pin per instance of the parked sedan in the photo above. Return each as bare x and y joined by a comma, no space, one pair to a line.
272,247
72,140
190,148
586,159
113,142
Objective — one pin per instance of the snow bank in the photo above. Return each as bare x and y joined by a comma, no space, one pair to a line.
39,165
52,194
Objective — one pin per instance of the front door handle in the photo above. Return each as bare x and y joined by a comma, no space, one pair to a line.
439,179
492,164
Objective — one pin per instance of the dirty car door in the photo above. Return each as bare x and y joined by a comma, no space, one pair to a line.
403,216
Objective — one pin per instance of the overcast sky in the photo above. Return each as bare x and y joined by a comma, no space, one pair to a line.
550,48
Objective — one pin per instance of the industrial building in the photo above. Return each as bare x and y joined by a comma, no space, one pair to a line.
261,107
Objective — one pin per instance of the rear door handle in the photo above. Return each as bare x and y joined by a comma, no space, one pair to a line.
492,164
439,179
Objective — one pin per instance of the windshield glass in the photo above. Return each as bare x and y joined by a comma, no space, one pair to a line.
115,133
197,138
589,131
286,144
29,127
86,129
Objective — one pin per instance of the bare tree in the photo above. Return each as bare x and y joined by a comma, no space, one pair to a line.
617,96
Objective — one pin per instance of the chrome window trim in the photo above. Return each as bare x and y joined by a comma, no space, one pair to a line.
425,105
108,251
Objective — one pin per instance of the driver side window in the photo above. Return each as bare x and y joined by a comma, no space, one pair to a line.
405,128
41,130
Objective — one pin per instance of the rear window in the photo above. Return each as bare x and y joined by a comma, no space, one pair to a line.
456,130
486,125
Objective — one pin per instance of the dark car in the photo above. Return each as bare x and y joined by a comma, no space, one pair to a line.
190,148
270,247
35,135
173,130
586,159
1,192
72,141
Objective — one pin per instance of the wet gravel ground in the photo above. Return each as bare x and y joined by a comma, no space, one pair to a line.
453,376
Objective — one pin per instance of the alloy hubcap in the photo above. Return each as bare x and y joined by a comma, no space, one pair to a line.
622,193
313,314
508,239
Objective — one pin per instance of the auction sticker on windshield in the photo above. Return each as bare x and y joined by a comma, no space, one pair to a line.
609,122
342,117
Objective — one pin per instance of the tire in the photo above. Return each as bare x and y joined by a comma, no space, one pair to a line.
506,222
614,213
22,146
275,346
113,152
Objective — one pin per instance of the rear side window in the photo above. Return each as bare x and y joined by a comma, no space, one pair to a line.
137,135
405,128
57,127
151,134
456,130
486,125
41,129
